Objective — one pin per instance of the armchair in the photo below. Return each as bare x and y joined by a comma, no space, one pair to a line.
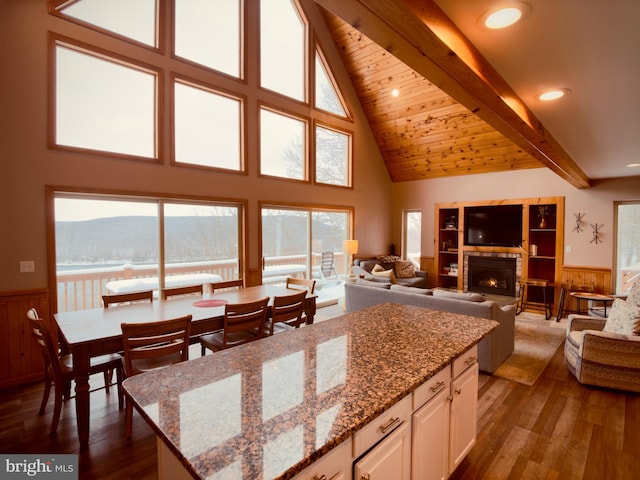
601,358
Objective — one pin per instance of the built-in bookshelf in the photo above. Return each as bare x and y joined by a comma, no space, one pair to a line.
541,249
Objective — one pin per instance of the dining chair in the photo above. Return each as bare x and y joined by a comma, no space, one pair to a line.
120,298
238,283
243,323
175,291
58,369
286,313
151,346
301,283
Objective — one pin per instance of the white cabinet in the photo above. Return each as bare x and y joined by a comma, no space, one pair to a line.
430,445
390,459
335,465
464,415
445,418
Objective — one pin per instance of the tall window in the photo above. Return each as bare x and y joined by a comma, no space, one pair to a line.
333,151
209,33
412,236
208,128
282,145
104,105
282,48
110,244
627,218
191,93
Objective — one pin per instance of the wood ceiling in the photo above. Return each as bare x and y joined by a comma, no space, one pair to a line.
426,132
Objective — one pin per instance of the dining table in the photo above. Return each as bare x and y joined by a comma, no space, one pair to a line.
94,332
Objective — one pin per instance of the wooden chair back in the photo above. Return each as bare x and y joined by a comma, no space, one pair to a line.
148,346
301,283
239,283
108,300
287,309
48,350
175,291
245,317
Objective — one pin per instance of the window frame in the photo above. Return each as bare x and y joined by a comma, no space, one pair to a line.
56,40
51,192
314,154
177,78
307,139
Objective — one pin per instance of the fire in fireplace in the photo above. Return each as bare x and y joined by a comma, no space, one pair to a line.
496,275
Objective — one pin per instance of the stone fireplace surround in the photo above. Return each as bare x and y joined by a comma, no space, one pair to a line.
517,256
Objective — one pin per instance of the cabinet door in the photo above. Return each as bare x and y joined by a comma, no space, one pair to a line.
430,445
464,415
390,459
335,465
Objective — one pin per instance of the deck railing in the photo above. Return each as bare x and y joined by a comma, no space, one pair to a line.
83,289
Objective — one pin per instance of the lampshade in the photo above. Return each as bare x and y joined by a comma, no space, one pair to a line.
351,246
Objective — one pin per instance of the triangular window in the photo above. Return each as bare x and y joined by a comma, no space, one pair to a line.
327,97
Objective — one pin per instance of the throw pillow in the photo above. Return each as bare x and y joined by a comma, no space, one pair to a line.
623,318
468,296
380,272
634,294
404,269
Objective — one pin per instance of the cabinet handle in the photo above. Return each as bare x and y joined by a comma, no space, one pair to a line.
322,477
365,476
388,426
458,391
470,361
437,387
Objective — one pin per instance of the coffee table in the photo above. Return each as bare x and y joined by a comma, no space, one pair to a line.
596,297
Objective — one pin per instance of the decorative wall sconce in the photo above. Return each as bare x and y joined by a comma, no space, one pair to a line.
596,233
579,221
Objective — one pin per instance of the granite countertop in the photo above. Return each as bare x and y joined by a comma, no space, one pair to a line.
270,408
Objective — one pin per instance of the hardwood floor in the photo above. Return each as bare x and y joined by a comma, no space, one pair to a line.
555,429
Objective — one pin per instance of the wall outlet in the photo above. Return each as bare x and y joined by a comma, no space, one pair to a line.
27,266
567,249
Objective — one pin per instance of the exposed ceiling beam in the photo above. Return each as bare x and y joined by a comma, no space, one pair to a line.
419,34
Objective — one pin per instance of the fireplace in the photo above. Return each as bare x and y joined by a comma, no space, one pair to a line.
496,275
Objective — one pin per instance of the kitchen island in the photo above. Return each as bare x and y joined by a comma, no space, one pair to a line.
271,408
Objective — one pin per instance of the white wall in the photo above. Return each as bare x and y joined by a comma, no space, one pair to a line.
596,202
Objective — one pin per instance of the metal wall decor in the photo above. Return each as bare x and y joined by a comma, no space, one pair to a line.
579,222
596,233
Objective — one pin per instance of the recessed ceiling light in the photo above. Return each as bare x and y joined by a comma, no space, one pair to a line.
504,15
554,94
395,92
633,165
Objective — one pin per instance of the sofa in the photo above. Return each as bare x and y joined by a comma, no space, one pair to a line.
389,269
605,352
492,350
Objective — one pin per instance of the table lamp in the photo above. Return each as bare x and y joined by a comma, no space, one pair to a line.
350,248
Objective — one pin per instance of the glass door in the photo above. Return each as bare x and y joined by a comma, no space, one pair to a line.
627,257
286,234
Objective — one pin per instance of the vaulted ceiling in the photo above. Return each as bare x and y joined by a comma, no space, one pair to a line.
454,114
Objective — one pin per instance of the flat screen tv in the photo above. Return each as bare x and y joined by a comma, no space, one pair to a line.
493,226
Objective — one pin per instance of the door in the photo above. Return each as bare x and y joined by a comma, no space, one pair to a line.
431,439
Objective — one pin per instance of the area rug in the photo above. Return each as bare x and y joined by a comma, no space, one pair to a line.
535,344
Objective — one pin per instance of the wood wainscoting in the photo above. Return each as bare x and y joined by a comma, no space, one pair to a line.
597,277
20,360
